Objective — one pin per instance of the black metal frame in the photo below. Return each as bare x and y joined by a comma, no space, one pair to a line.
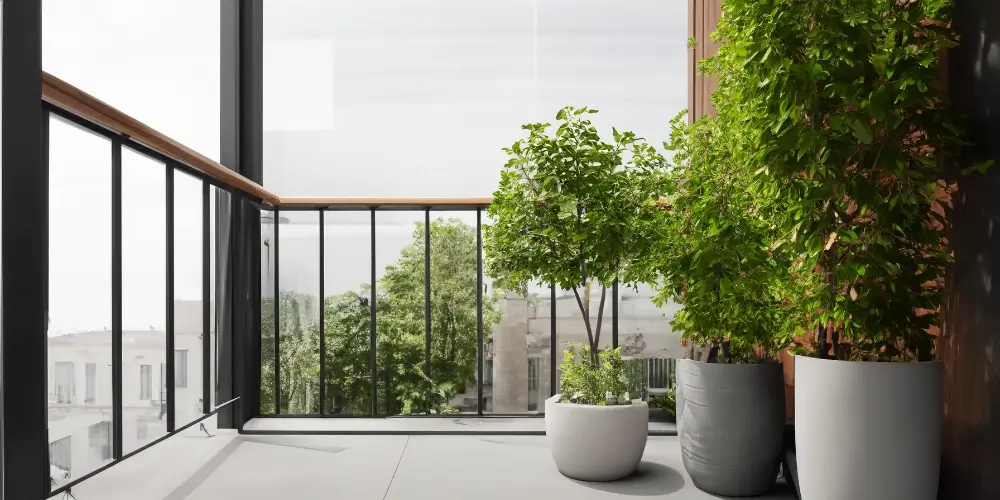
427,293
171,374
25,256
276,304
206,294
322,312
116,297
373,323
479,313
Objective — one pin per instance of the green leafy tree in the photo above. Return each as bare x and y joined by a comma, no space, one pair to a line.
717,253
403,386
572,211
840,119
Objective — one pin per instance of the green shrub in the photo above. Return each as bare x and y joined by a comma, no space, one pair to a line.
666,403
585,382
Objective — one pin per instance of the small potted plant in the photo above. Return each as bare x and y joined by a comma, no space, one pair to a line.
575,212
849,131
717,257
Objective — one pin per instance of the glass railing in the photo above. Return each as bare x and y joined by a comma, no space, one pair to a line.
131,346
384,311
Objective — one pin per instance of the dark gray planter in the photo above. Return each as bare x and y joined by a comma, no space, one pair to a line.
730,419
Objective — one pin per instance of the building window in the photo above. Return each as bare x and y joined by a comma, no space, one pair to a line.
532,374
65,388
181,368
99,435
61,458
145,382
488,372
91,380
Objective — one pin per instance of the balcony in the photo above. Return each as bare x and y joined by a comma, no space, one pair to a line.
331,333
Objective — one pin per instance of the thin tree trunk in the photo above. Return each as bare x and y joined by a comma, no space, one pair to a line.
595,348
586,318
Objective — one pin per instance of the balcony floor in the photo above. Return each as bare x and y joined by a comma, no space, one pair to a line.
416,425
377,468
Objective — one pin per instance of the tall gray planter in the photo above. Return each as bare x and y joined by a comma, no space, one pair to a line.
730,419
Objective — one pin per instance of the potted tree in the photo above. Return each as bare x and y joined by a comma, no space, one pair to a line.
718,257
849,131
574,211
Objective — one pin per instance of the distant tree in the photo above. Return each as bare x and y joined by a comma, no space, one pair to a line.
402,385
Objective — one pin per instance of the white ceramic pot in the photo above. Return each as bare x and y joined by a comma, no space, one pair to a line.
868,430
596,443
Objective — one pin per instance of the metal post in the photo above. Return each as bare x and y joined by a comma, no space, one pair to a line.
276,303
427,296
171,366
614,314
116,299
553,348
479,311
373,355
25,256
322,313
238,289
206,301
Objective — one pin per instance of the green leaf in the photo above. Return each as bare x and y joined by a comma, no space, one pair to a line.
862,131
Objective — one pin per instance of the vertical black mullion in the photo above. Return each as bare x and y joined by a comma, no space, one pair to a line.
171,366
322,312
277,319
553,350
374,325
614,315
479,311
206,292
116,298
427,293
25,256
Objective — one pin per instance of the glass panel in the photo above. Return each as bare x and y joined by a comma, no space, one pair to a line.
337,70
347,287
454,332
267,244
399,254
79,330
298,312
640,47
144,297
127,52
188,303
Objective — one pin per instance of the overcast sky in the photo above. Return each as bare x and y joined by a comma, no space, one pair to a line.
362,98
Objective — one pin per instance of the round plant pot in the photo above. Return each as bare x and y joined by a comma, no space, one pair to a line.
731,420
596,443
868,430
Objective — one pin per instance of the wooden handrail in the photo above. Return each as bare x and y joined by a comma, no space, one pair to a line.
398,203
73,100
59,93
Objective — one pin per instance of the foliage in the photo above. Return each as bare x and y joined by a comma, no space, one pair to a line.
402,385
667,403
716,253
841,120
586,382
572,211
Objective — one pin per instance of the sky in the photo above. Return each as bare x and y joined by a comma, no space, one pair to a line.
361,98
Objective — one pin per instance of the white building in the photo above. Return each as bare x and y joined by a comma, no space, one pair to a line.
80,390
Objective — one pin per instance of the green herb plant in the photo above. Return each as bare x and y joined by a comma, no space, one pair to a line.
585,382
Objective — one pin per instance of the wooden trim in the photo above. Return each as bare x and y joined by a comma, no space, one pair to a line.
398,203
59,93
73,100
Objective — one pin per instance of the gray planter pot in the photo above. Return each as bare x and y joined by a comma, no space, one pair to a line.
730,419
